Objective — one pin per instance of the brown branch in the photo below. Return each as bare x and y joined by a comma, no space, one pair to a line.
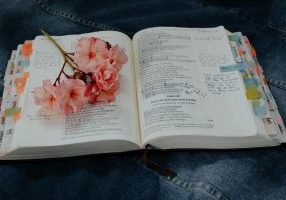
59,76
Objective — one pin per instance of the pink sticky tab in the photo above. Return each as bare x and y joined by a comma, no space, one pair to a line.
259,70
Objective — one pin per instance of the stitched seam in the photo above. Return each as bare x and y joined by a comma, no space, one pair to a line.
205,186
75,19
275,28
178,181
92,24
276,83
271,25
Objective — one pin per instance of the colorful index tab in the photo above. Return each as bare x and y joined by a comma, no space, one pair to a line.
27,49
250,81
20,82
259,108
238,66
252,92
9,112
234,37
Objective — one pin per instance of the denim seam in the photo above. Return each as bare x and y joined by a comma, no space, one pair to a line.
178,181
275,28
211,189
98,26
276,83
74,18
271,25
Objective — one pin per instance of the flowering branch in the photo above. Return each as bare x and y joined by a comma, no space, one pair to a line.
65,55
59,76
95,64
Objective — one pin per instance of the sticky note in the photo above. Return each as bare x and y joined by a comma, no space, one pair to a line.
10,111
13,65
234,37
24,63
27,49
244,75
259,70
20,82
238,66
252,92
259,108
16,116
253,51
250,81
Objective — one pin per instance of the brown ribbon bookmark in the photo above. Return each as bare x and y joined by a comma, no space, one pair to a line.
154,166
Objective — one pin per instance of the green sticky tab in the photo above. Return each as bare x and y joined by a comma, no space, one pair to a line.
234,37
244,75
17,109
10,111
12,65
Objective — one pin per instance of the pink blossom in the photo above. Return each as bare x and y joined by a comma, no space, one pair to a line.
72,96
92,92
107,81
117,57
46,96
90,51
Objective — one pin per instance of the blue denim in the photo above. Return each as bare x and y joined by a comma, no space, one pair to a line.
201,174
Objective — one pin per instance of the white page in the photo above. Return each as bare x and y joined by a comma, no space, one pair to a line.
117,120
181,90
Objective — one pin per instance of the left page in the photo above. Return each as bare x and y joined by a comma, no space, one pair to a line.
114,121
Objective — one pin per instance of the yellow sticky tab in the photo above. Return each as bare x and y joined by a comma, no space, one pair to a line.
252,92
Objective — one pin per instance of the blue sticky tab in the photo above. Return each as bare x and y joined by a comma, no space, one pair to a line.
250,81
260,111
259,108
238,66
234,37
24,63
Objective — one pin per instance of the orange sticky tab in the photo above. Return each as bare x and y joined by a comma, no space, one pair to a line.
21,82
27,48
253,52
26,75
17,116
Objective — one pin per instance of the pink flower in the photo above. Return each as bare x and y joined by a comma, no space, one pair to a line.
88,52
117,57
107,81
46,96
72,96
92,92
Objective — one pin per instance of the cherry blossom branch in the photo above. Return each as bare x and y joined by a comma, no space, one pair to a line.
74,67
59,76
65,55
67,58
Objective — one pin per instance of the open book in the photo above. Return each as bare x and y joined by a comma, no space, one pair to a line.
181,88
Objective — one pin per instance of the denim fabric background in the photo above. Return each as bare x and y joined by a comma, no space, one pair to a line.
202,174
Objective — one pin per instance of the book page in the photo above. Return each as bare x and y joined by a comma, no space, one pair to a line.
181,89
117,120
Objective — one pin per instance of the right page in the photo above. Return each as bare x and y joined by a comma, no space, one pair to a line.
181,90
